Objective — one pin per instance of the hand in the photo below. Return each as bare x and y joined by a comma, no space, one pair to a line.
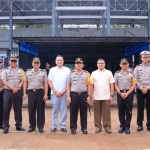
88,100
111,99
92,100
45,98
122,95
69,99
15,90
57,94
1,89
62,93
25,97
144,90
126,94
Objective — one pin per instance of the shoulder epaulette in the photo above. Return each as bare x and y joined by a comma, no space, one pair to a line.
29,69
72,71
118,71
20,68
43,70
85,71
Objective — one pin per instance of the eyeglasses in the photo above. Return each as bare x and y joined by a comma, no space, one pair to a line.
78,63
13,61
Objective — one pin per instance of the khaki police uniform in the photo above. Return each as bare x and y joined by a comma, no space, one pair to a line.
78,83
35,91
142,74
124,82
13,77
1,98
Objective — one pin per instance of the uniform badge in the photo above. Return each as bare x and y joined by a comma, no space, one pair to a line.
9,77
119,80
30,80
74,82
40,73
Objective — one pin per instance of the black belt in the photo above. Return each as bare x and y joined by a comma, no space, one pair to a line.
35,90
124,91
79,92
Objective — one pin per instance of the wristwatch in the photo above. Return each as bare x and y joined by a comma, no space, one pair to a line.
112,96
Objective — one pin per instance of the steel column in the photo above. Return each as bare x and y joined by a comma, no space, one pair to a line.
108,17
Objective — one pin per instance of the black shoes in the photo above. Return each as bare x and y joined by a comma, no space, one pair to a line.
148,129
20,129
1,127
85,131
41,130
139,128
73,131
127,131
31,129
63,129
53,129
5,131
121,130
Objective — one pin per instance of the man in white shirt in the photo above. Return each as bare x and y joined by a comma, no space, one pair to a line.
57,80
102,90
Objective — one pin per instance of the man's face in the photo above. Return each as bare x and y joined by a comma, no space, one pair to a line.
145,58
78,65
36,65
101,64
124,66
13,63
59,61
47,65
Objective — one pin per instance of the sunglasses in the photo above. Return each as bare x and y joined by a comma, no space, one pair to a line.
145,57
78,63
13,61
36,62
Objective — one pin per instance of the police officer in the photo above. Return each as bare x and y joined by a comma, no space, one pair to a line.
125,84
35,82
79,86
12,78
142,74
1,96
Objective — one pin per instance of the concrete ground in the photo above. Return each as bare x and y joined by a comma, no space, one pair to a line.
66,141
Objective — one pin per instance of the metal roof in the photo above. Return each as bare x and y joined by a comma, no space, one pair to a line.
122,11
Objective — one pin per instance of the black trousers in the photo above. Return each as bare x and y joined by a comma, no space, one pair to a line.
15,100
141,99
1,108
36,103
78,101
125,110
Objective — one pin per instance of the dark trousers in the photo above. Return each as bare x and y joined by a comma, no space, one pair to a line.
125,110
78,101
141,98
36,103
15,100
1,108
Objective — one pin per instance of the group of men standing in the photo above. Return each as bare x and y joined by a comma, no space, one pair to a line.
79,89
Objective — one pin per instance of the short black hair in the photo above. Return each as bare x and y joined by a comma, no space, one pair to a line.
47,62
101,59
59,56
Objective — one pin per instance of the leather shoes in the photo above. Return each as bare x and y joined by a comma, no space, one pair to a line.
139,128
41,130
63,129
108,130
20,129
73,131
1,127
85,131
53,129
5,131
148,129
98,130
31,129
121,130
127,131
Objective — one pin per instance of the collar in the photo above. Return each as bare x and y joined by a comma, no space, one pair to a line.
78,72
102,70
146,65
12,69
35,71
60,68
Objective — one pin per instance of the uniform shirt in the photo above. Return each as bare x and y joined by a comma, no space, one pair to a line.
35,79
124,80
142,74
78,81
13,77
101,81
59,76
1,83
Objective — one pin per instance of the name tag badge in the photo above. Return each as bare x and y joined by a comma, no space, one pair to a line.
74,82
